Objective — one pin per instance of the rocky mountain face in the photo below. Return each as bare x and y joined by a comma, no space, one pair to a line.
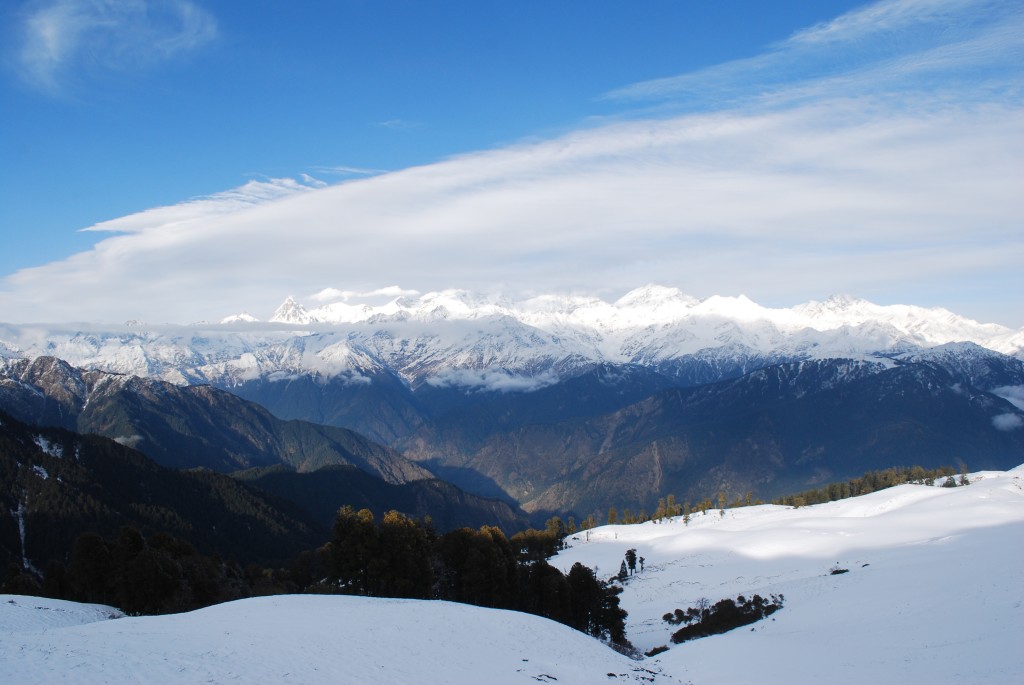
185,426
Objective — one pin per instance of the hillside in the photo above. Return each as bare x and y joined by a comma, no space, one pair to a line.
324,491
931,593
56,485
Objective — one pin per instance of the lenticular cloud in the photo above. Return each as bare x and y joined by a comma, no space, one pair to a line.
822,186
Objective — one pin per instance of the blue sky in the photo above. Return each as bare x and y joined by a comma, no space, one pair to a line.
225,155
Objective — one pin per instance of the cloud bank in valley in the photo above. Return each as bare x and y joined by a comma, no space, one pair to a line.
895,176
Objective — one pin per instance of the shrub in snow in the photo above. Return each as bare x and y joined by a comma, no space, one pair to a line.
704,619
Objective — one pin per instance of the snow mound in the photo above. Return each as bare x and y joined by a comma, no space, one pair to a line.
317,639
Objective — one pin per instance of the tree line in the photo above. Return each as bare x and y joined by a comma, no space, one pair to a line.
873,481
403,557
398,556
668,507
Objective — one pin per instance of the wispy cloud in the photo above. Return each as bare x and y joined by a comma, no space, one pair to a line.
244,197
399,124
341,170
889,45
899,194
65,41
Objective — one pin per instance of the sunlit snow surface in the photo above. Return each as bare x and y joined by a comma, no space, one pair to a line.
306,639
934,594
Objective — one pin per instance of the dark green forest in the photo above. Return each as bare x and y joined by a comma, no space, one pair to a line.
395,557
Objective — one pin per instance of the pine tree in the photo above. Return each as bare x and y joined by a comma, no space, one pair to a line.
631,560
352,550
402,567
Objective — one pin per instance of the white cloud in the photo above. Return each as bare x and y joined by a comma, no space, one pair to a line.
1014,394
132,441
911,198
491,380
1007,422
62,41
335,295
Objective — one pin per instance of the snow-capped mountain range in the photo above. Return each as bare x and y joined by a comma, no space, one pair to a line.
457,338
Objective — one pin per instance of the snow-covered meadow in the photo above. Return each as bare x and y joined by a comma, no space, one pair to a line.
300,639
934,593
934,590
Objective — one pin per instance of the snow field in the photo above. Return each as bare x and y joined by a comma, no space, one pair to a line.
934,594
934,590
308,639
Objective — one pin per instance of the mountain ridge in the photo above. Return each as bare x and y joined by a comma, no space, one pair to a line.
185,427
456,338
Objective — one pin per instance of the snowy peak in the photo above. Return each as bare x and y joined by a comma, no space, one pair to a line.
291,311
647,305
888,327
655,296
244,317
459,334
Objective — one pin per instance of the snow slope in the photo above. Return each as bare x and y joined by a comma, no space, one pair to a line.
934,592
19,614
308,639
